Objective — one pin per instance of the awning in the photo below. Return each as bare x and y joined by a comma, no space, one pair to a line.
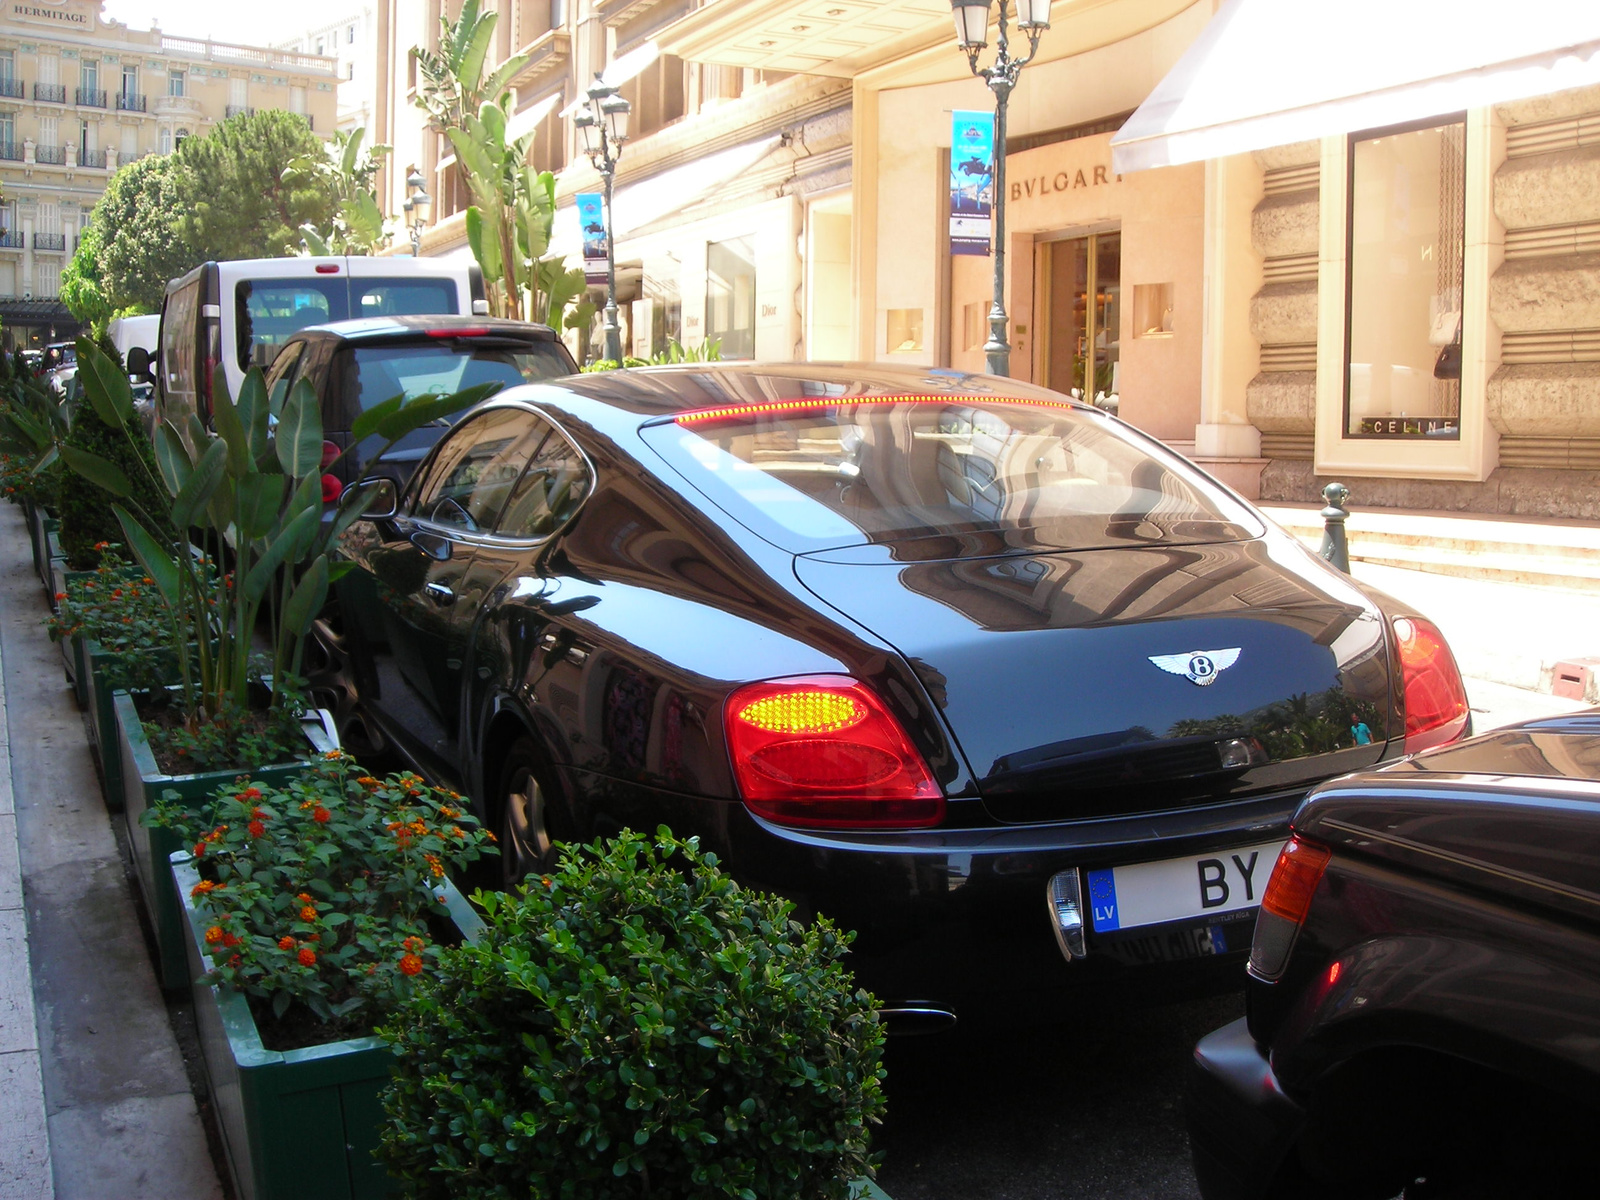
644,203
1271,72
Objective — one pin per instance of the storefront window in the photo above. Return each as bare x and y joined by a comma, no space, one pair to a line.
731,296
1403,307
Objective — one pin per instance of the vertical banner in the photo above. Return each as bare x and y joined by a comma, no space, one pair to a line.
971,181
591,220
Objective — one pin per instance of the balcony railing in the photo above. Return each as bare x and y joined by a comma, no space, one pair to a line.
91,158
55,156
13,88
240,110
131,102
91,97
12,241
55,93
49,241
11,151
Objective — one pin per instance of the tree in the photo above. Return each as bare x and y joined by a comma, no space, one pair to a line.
82,287
238,202
454,86
345,171
142,244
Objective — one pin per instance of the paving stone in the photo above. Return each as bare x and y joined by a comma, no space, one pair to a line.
24,1140
143,1148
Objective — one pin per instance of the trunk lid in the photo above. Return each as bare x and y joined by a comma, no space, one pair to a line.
1126,680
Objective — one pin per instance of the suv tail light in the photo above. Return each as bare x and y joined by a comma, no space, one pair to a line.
1435,698
1285,904
823,752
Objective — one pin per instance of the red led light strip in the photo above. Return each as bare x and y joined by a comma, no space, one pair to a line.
777,406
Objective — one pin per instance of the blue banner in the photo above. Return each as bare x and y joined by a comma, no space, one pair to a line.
971,181
591,220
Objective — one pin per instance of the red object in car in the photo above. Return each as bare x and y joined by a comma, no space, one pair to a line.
332,489
822,751
1285,904
1435,698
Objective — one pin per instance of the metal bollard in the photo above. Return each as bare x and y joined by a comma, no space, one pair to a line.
1334,548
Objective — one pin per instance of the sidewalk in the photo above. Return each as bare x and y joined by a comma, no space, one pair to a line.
95,1103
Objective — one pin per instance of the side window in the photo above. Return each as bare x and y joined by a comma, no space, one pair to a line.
285,370
550,490
476,468
268,311
402,297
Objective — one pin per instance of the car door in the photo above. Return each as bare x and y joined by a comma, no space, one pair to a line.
424,595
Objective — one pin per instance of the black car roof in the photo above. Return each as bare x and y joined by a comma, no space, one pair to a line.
364,329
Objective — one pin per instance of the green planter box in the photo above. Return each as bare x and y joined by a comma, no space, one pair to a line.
41,525
93,662
296,1124
142,784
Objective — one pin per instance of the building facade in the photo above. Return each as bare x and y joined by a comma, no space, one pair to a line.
352,41
80,96
1269,313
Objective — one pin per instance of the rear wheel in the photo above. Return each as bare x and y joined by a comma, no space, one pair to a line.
530,819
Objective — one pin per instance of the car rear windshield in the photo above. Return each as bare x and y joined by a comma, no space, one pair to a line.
1038,476
369,375
270,311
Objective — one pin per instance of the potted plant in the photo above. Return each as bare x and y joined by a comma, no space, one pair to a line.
117,629
252,496
636,1024
312,910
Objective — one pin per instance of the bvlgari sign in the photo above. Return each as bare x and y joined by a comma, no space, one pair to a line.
61,13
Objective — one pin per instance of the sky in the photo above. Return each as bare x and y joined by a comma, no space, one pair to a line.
253,24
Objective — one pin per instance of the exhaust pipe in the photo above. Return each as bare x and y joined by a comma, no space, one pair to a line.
916,1019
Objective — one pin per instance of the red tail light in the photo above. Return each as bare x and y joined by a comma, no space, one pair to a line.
823,752
467,332
1285,904
332,489
327,268
1436,699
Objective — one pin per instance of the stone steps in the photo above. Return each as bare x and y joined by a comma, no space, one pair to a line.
1549,554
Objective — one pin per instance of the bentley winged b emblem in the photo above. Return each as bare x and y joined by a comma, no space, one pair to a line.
1198,666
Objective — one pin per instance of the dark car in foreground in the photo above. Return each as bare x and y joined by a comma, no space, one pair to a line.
979,672
355,365
1424,1004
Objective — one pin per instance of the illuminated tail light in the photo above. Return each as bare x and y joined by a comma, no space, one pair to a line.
1435,698
823,752
1285,904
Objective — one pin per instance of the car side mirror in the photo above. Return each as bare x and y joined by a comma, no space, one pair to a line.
378,497
140,362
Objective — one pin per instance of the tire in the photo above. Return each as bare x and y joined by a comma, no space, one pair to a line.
531,824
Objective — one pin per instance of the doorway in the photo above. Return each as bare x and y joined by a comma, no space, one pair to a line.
1080,315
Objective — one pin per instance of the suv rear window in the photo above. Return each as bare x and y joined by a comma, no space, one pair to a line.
270,311
893,470
366,376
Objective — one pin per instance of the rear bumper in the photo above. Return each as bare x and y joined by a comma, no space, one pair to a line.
1241,1125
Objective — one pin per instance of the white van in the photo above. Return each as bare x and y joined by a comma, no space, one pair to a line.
127,332
223,318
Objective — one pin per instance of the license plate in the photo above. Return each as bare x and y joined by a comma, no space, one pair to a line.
1178,889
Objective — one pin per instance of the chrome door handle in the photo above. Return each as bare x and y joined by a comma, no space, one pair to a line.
439,593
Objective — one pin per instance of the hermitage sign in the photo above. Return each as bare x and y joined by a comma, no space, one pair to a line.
56,13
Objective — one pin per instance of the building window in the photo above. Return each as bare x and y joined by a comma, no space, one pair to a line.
731,296
130,80
8,65
89,73
176,79
320,46
1403,299
48,131
656,94
166,140
350,70
350,36
558,14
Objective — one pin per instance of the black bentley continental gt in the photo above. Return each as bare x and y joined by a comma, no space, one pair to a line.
979,672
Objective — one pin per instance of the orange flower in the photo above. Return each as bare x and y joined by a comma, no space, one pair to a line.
201,888
286,942
307,956
308,914
230,939
434,865
321,815
199,849
367,781
414,944
61,596
214,935
249,795
410,965
256,828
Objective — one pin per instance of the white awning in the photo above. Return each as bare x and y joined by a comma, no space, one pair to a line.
1271,72
644,203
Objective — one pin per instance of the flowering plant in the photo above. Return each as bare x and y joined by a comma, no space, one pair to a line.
119,607
317,893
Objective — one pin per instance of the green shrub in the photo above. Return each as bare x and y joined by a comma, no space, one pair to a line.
636,1024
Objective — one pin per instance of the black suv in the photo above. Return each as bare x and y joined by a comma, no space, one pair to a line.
1424,1001
354,365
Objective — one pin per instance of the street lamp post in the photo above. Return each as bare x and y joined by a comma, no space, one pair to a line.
418,207
972,35
602,124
